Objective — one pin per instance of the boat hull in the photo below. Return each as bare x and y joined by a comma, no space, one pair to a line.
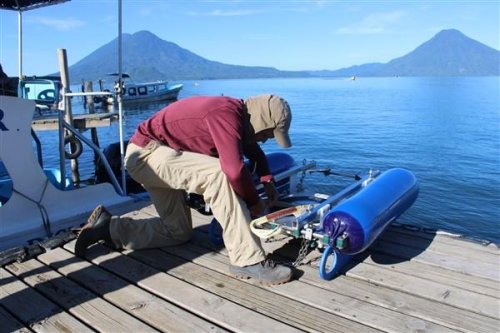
151,92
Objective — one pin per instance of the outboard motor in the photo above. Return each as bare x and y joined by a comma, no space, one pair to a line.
112,154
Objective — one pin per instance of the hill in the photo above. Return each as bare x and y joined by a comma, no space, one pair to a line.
448,53
147,57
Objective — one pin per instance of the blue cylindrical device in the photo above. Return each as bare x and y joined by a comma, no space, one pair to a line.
355,223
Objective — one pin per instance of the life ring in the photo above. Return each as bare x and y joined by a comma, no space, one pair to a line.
268,225
74,143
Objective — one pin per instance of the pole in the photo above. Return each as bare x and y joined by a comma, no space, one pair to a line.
68,113
120,111
20,44
90,103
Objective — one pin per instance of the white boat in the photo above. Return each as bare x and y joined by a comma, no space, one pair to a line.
148,91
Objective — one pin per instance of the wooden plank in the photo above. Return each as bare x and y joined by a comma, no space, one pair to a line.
81,121
34,310
317,299
463,299
468,253
414,305
261,298
405,266
447,238
451,261
402,263
218,310
131,299
415,267
78,301
11,324
435,273
463,281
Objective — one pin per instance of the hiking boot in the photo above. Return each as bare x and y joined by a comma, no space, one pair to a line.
96,229
266,272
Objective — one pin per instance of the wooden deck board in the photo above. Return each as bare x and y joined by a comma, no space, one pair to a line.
409,281
81,121
401,301
460,298
75,299
213,276
137,302
435,273
437,237
452,261
11,324
327,300
227,314
34,310
461,248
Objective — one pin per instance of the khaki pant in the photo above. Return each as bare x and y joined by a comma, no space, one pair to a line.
167,174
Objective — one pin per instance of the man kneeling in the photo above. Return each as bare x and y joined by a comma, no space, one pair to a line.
197,145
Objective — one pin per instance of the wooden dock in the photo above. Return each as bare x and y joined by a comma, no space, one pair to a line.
84,121
409,281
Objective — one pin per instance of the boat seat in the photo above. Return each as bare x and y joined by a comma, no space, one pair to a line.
37,209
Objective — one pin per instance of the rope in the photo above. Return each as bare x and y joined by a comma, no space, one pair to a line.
43,211
257,225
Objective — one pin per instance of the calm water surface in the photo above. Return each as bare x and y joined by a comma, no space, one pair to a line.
445,130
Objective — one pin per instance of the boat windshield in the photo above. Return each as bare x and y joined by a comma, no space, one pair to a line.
40,90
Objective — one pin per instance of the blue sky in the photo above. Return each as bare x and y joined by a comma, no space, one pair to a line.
285,34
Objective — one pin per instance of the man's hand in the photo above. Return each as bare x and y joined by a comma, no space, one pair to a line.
258,209
271,192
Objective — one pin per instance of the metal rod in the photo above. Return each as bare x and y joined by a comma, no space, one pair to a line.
120,111
329,171
94,93
62,155
20,43
38,147
290,172
68,113
294,170
96,149
332,200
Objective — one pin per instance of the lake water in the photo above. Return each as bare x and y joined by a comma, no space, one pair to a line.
445,130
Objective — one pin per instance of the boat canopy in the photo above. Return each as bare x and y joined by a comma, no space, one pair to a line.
24,5
124,75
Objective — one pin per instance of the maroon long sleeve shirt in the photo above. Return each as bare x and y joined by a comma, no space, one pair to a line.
212,126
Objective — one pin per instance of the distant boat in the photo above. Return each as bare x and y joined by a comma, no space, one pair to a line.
148,91
353,78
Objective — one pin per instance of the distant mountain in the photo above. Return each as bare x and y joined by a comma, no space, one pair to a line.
448,53
147,57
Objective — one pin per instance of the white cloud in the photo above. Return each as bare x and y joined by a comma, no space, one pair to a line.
373,24
58,24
